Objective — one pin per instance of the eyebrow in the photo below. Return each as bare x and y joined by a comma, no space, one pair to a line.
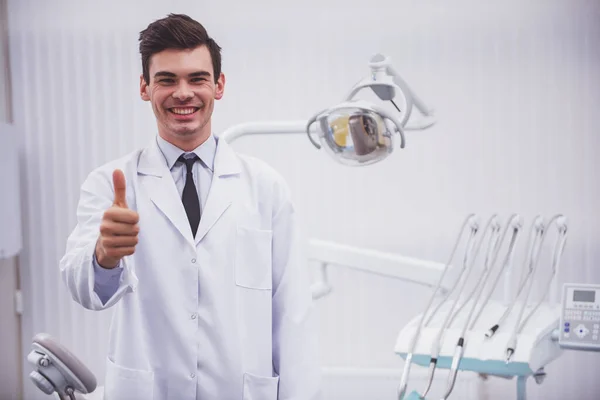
191,75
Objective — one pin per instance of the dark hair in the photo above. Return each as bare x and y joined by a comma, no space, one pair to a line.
176,31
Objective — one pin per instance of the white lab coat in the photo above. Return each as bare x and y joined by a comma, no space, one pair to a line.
226,315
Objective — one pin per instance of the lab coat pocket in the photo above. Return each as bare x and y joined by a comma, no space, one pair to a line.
253,258
124,383
260,387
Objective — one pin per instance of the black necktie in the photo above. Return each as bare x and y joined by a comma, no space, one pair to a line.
190,195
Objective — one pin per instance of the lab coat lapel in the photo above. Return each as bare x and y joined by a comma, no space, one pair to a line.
156,179
223,189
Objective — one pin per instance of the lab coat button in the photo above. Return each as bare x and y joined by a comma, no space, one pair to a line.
192,375
194,316
193,261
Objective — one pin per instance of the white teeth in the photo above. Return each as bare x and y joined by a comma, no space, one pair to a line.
183,111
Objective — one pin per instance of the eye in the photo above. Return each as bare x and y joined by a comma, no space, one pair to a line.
166,81
196,80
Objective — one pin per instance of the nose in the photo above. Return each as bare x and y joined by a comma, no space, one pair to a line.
183,92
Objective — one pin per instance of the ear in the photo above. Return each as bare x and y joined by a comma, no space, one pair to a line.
144,89
220,87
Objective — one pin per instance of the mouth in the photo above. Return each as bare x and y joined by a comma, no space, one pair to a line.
183,112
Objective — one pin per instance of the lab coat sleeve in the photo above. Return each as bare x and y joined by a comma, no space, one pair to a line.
295,347
94,289
106,281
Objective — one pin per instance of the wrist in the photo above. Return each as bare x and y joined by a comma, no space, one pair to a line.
105,261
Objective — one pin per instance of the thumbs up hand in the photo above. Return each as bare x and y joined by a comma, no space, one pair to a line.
119,227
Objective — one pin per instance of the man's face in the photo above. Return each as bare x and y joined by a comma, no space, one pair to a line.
182,91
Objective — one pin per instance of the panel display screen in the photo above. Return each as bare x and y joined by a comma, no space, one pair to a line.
588,296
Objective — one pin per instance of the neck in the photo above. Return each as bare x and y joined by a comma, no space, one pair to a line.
186,143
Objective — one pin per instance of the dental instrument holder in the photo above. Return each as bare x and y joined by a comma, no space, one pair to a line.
540,342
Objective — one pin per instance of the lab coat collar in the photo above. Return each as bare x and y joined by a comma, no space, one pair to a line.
152,161
223,188
156,179
227,161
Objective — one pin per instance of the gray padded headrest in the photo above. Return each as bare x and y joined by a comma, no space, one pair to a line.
66,357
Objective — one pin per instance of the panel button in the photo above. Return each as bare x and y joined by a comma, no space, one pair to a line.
581,331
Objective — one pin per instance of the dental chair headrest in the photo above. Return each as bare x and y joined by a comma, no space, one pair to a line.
57,368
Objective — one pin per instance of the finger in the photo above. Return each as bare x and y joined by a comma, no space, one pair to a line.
119,252
119,185
119,241
110,228
118,214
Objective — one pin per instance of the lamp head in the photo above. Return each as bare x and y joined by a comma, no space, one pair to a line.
357,132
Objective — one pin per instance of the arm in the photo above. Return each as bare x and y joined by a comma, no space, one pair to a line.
91,285
295,351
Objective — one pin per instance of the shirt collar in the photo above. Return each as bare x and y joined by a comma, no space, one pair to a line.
206,151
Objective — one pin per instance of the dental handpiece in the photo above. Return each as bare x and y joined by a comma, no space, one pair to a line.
516,223
512,342
558,250
436,345
470,221
493,251
490,255
537,230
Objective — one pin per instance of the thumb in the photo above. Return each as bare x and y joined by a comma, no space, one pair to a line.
119,184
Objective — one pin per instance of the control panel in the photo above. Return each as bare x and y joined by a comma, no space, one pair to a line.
580,317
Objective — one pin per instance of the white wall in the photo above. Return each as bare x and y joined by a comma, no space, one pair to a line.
5,106
10,374
516,86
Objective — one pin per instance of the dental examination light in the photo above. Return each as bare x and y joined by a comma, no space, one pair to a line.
356,132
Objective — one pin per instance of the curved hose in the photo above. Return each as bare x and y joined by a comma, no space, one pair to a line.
537,229
435,347
405,373
512,342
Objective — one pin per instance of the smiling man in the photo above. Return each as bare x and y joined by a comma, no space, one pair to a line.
195,247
